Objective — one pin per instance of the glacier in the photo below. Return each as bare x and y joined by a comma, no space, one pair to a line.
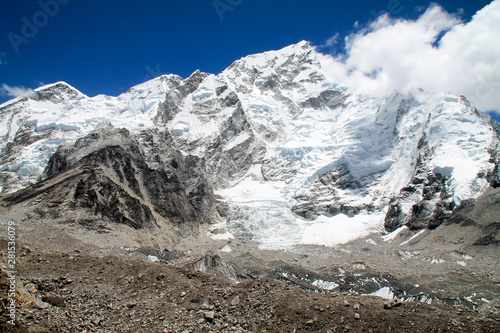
297,158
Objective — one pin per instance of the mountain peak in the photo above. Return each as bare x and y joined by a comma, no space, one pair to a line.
302,45
294,58
58,92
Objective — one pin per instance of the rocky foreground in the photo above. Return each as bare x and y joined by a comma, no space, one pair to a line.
81,277
80,292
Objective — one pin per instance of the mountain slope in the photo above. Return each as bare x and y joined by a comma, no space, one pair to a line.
105,179
297,158
33,127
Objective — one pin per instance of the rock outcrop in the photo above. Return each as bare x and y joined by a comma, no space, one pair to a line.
106,175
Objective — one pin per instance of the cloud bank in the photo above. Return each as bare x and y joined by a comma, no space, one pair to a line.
6,90
437,52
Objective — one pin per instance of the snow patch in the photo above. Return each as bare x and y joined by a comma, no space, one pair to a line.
227,248
153,258
237,141
394,234
413,237
222,236
326,285
341,229
384,292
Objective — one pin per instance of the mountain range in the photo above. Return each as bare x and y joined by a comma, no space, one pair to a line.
269,150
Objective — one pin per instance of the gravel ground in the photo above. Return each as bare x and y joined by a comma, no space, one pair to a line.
78,292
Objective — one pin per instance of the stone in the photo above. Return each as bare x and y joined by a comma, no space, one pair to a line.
31,288
392,303
38,304
397,302
209,315
96,320
130,305
235,301
55,301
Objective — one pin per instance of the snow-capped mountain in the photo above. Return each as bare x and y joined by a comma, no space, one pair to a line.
297,158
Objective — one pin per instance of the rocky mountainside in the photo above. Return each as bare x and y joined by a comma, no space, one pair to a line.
113,177
295,156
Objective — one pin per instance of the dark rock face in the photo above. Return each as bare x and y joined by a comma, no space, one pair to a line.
112,202
228,164
58,93
432,210
328,98
323,191
108,175
436,204
170,107
428,187
393,218
491,235
494,176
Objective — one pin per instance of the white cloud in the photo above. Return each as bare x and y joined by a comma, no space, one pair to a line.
6,90
3,58
406,55
332,41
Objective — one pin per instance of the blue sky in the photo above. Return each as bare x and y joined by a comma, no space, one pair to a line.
108,46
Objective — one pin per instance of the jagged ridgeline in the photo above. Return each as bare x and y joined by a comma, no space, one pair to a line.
280,143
